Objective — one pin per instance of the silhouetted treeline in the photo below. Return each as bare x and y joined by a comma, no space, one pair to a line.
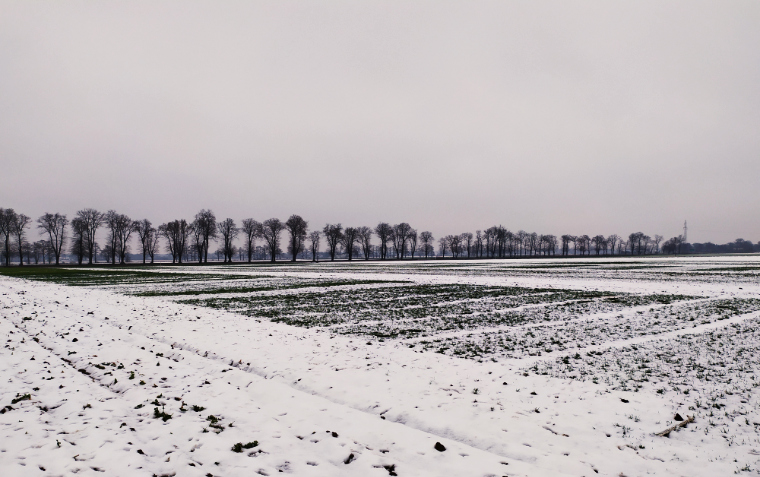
190,241
737,246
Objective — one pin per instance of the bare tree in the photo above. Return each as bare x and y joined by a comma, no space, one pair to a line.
297,228
109,220
365,237
176,233
452,242
55,226
396,242
412,238
647,243
198,242
613,240
92,220
27,250
145,232
383,231
510,243
124,229
334,235
443,245
622,246
575,240
183,232
120,228
251,231
488,239
539,245
522,239
426,239
152,243
656,241
39,250
584,244
552,244
399,235
164,231
633,239
229,231
350,237
598,242
455,245
205,222
18,227
79,239
478,243
7,217
466,239
314,245
531,241
270,230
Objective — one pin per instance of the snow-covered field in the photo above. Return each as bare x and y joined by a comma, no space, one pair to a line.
518,367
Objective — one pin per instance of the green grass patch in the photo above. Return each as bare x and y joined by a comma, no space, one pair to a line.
231,290
110,276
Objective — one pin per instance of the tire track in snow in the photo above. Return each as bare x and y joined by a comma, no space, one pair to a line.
549,324
695,330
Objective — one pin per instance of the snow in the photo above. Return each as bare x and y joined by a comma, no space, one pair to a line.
316,394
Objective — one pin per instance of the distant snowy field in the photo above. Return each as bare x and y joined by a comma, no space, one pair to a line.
482,368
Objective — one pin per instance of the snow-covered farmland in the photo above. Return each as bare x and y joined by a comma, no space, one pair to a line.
519,367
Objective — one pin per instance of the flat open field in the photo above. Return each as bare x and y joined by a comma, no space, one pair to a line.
514,367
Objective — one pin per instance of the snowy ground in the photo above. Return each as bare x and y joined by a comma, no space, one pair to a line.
520,367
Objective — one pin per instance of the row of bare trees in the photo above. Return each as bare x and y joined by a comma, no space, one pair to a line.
14,225
401,239
673,245
191,240
499,242
638,243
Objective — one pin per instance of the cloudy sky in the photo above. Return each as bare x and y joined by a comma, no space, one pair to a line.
554,117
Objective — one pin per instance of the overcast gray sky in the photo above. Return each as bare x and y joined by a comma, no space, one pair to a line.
554,117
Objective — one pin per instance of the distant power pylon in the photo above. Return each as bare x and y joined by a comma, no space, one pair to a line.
685,231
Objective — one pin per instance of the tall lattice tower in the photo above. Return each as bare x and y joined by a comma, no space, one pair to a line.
685,231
